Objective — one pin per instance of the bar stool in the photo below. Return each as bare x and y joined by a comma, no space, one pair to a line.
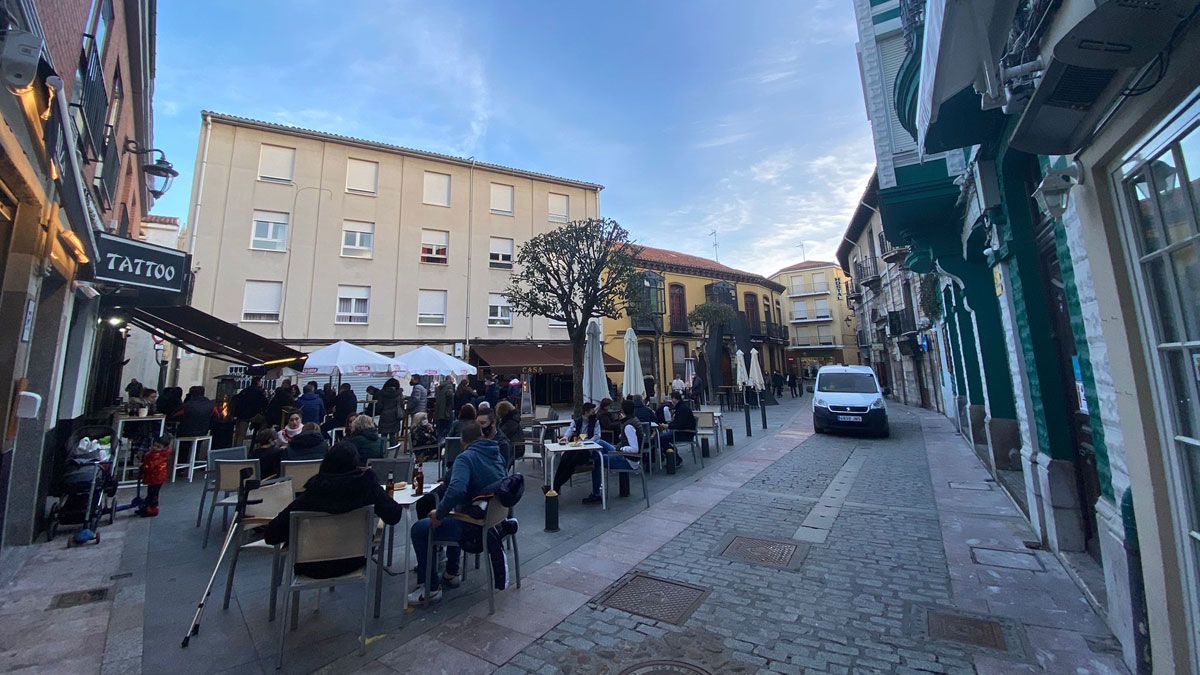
195,459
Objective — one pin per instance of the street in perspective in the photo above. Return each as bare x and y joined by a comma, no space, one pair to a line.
691,338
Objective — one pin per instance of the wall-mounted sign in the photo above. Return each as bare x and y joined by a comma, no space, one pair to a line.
135,263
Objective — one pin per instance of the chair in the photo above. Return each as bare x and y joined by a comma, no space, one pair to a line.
275,497
706,425
635,466
336,434
401,468
210,474
394,451
541,412
193,462
689,437
496,513
228,480
451,447
299,471
318,537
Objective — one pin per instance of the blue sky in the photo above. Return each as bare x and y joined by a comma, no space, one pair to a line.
744,117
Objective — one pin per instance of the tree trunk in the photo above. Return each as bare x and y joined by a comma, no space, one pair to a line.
578,346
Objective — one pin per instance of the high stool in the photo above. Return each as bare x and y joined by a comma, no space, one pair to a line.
195,459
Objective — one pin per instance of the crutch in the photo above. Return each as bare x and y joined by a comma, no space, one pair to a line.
245,485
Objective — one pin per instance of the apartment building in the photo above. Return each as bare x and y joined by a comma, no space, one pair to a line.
307,237
817,307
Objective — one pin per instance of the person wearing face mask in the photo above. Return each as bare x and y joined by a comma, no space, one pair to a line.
489,430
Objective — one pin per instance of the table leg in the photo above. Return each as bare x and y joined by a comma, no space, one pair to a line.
379,571
407,553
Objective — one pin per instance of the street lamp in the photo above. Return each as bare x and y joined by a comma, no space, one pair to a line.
161,174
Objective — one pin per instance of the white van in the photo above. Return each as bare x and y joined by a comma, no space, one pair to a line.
848,398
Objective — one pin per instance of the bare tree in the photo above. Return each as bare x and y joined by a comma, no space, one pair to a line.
580,271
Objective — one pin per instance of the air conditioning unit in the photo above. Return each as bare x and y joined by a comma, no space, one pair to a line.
1100,46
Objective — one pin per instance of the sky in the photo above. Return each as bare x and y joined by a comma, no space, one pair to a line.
746,117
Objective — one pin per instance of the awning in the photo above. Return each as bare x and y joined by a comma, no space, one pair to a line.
963,43
207,335
533,359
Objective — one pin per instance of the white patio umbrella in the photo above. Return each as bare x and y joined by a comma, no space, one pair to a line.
756,374
595,386
344,358
426,360
634,382
741,378
689,371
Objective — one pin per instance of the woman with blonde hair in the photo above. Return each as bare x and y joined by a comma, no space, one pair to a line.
366,439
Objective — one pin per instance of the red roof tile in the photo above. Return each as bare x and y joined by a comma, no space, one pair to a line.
160,220
805,265
663,256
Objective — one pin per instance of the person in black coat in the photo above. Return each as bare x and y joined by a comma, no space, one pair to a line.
170,401
339,487
344,406
492,392
307,445
281,400
197,414
387,406
250,402
793,384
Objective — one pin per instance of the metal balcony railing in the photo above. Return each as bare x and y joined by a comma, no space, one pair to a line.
866,271
810,289
679,324
912,21
93,99
901,322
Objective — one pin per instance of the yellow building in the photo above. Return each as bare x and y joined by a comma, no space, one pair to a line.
683,281
823,327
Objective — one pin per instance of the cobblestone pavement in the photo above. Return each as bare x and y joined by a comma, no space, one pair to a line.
870,597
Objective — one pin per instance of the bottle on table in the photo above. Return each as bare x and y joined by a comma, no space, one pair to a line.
391,484
418,481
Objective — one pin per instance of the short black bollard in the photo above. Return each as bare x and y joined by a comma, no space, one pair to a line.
669,455
623,482
729,437
763,407
552,511
704,447
749,431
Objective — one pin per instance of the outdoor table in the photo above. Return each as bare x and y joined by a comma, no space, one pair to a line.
120,460
553,449
405,497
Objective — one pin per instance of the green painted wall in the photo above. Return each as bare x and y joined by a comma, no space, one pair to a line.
966,334
890,14
980,291
960,384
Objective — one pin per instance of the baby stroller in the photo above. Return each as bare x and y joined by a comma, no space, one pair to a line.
87,489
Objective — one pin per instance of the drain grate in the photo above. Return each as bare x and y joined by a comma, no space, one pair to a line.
974,630
76,598
655,598
781,554
664,668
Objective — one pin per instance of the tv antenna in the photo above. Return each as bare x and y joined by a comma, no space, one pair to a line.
716,255
803,251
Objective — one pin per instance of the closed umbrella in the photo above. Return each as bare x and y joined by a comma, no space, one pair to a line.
741,378
756,374
426,360
344,358
634,382
595,385
689,370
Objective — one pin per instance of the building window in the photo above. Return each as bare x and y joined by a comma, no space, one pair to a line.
677,308
819,285
261,301
824,335
767,309
103,11
276,163
270,231
431,308
799,310
499,313
362,176
353,304
778,312
679,360
435,247
358,239
500,253
646,356
822,309
437,189
750,306
555,323
560,208
797,285
502,199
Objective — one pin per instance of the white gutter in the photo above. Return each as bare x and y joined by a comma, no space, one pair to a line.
470,244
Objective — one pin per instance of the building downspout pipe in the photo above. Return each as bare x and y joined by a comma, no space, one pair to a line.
199,188
470,243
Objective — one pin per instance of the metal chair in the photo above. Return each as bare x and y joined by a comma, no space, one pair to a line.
319,537
274,497
401,468
633,459
193,462
228,481
299,471
495,514
336,434
688,436
210,475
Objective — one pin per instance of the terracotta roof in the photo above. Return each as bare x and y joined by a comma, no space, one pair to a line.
805,265
388,147
161,220
663,257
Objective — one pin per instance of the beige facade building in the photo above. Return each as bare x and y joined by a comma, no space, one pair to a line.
308,237
823,327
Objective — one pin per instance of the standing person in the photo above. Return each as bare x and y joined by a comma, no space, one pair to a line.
777,383
464,394
514,392
508,421
698,391
792,383
198,414
677,384
329,396
345,405
491,391
418,396
387,406
248,407
312,407
154,473
281,400
443,407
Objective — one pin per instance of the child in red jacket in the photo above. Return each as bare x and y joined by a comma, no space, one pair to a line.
154,473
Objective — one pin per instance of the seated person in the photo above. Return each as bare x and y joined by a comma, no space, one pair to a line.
643,411
491,431
477,466
587,428
683,423
309,444
611,417
294,427
340,486
366,439
423,436
267,451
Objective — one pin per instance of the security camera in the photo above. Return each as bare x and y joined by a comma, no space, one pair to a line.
19,59
1051,194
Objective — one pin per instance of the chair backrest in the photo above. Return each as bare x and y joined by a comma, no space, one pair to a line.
229,472
337,433
705,420
394,450
316,536
401,468
299,471
453,448
274,496
709,408
239,452
541,411
496,513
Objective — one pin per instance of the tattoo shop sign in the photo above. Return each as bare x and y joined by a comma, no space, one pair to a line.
136,263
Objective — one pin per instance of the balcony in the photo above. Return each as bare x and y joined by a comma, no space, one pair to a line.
679,324
814,342
902,322
800,290
773,331
811,318
93,97
907,87
895,255
867,273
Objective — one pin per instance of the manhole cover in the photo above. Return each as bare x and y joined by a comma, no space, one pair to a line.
76,598
784,554
664,668
966,629
654,598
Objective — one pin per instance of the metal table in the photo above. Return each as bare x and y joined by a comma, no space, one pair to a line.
552,449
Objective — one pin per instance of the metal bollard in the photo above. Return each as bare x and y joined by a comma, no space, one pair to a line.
749,431
552,511
763,407
704,447
669,454
729,437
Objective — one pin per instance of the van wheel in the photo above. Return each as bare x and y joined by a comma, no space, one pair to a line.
885,432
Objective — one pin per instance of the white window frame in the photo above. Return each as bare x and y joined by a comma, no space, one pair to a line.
817,310
501,260
819,283
273,226
557,217
430,318
276,179
357,250
359,315
278,307
512,199
499,311
425,186
803,305
350,161
433,248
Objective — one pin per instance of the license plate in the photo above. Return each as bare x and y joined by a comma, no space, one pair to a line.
849,418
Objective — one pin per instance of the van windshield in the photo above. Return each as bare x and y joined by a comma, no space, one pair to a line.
847,383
